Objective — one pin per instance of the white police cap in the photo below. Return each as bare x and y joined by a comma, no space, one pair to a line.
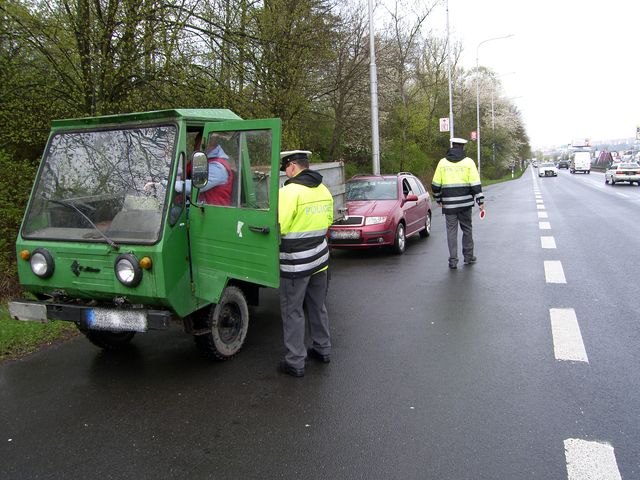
461,141
298,153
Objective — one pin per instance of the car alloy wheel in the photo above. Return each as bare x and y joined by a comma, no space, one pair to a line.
426,231
401,241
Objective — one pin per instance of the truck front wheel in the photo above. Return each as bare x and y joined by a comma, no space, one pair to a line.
227,325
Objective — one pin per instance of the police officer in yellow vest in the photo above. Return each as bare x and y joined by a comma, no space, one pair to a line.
305,211
456,186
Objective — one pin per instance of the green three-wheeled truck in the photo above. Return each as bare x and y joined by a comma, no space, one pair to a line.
116,239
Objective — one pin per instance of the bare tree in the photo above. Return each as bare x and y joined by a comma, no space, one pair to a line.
404,35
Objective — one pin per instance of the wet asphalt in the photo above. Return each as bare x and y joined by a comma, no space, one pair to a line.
435,374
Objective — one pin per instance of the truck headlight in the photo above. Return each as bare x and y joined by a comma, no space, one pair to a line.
41,263
375,220
128,270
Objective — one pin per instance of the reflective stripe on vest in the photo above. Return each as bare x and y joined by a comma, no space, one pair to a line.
295,256
304,269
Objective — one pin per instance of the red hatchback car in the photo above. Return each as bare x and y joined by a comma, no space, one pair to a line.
382,210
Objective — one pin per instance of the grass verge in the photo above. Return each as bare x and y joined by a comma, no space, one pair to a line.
506,178
21,338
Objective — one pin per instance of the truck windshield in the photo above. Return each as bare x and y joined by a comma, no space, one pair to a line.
101,186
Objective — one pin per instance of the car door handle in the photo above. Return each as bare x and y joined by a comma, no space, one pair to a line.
264,230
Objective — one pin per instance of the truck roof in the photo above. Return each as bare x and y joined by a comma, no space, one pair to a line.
195,114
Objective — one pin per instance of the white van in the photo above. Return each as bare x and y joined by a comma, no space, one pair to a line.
581,162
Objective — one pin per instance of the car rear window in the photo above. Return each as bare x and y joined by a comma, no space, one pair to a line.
628,165
372,189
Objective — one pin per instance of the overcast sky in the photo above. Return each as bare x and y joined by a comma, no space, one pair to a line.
575,64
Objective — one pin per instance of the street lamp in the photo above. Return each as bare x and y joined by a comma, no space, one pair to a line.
478,89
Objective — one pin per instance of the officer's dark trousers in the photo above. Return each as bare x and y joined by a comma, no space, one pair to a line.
464,219
300,296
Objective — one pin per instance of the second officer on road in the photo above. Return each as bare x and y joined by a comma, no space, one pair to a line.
456,186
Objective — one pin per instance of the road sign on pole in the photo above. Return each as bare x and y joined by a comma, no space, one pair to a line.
444,124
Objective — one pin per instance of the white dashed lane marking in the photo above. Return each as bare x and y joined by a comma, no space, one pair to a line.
590,460
586,460
544,225
548,242
553,271
567,339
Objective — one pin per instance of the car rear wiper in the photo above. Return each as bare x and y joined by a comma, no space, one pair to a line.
64,203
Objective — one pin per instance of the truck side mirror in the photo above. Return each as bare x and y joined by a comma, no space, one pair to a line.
199,169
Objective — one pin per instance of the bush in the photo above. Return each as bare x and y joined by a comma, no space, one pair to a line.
16,180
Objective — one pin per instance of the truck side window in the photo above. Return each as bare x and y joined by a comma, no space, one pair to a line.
178,200
248,156
256,164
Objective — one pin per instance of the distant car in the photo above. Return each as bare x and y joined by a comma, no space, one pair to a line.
535,164
382,210
547,169
563,164
622,172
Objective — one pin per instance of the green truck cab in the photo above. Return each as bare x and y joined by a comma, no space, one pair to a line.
117,238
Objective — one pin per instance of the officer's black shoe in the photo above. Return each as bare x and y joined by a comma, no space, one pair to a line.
284,367
453,265
316,355
469,260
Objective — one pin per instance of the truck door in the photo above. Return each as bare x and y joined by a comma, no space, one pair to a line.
239,240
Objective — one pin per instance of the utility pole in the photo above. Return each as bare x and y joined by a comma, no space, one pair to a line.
451,135
373,75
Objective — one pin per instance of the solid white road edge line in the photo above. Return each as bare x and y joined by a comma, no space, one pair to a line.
567,340
590,460
553,271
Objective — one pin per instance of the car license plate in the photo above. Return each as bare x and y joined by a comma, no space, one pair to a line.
345,234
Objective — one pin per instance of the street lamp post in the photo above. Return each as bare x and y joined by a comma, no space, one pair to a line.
373,75
478,91
451,135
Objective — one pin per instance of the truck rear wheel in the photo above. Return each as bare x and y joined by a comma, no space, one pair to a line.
227,325
109,340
